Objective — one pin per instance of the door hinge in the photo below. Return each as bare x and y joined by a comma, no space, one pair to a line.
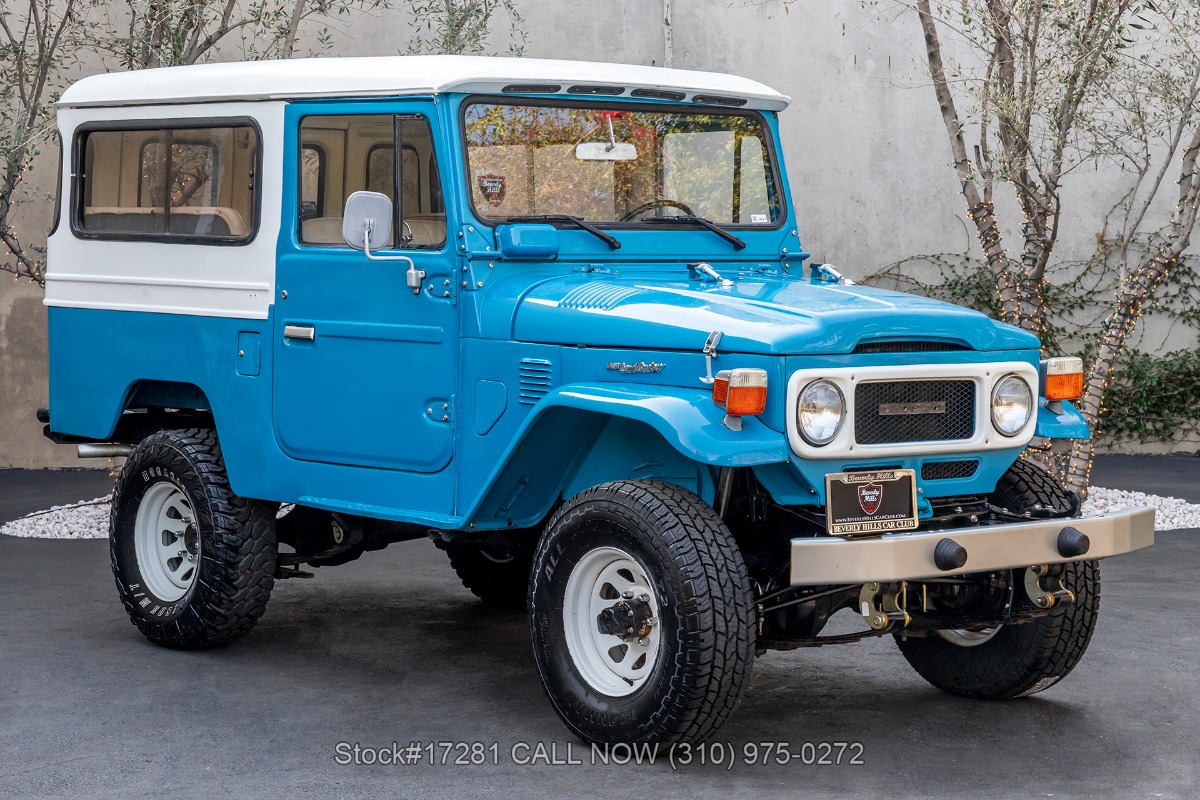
440,411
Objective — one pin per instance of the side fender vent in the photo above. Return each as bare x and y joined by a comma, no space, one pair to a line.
536,379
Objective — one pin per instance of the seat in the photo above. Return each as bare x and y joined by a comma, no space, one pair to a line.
322,230
184,220
428,230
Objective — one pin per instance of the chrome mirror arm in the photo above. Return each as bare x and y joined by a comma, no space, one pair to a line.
414,277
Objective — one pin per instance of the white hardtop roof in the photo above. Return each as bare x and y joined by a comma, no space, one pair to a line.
394,75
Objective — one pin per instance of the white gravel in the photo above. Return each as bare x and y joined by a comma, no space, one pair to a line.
89,520
85,520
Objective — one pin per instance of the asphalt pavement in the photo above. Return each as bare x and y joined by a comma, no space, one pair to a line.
23,491
391,649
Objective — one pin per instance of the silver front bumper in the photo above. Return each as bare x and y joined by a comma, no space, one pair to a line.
909,556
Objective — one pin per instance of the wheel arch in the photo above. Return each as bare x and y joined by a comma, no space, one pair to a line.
582,435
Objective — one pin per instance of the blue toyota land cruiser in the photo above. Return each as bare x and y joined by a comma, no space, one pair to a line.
556,317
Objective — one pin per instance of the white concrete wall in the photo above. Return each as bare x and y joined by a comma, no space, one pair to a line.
864,142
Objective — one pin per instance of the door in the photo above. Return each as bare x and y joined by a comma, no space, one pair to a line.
364,367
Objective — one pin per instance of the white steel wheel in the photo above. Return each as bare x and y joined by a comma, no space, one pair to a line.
969,638
166,541
610,616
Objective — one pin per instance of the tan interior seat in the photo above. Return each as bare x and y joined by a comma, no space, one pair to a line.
428,230
322,230
198,220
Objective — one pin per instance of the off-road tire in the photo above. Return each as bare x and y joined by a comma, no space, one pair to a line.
706,612
1026,487
1026,658
236,567
499,581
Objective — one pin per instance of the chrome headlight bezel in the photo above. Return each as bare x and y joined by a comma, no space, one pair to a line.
820,384
1022,388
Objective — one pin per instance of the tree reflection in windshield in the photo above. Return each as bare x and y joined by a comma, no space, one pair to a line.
528,159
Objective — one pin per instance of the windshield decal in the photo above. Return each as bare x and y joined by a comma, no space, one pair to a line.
493,188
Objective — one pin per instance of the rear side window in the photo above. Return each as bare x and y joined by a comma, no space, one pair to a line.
182,183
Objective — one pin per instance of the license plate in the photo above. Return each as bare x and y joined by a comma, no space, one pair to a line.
871,502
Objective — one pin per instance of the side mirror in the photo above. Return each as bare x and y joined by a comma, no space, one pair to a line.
367,220
367,225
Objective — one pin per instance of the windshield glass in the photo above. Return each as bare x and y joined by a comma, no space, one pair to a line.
618,165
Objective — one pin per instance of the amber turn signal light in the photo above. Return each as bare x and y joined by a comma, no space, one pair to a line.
1062,378
741,392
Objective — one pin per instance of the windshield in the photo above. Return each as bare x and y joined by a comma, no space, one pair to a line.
618,165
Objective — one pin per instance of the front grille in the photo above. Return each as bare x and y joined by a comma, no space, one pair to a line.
907,347
873,427
946,470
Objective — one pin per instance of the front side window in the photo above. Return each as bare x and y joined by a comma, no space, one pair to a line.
185,183
619,165
360,151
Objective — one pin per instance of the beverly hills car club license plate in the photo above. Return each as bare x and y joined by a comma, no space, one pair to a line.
871,502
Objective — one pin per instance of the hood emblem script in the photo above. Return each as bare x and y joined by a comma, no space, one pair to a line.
641,366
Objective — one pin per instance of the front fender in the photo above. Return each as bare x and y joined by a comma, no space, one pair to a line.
1069,424
563,429
686,418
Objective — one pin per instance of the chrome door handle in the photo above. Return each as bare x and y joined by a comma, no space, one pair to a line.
306,332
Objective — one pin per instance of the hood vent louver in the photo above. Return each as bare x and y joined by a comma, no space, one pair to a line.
596,296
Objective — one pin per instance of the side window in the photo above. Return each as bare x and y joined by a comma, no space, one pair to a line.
189,179
312,181
381,176
58,190
182,183
359,153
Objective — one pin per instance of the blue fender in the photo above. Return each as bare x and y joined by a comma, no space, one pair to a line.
562,431
686,418
1069,424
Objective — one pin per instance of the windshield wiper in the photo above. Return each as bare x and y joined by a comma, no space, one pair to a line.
737,243
611,241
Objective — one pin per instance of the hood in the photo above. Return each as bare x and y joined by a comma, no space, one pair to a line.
760,314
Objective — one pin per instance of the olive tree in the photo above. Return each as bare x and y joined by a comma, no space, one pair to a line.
162,33
457,27
38,41
1041,91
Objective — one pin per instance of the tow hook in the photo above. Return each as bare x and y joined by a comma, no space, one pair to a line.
1045,589
882,605
627,619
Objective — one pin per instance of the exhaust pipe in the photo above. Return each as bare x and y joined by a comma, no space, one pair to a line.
105,450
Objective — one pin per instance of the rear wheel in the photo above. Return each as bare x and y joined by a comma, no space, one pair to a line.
641,615
194,563
496,573
1005,661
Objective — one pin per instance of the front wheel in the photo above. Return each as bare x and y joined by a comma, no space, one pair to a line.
1009,661
194,563
641,615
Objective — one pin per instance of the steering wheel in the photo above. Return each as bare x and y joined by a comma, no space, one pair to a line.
660,202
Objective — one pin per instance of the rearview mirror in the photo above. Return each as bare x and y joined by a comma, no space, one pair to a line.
605,151
367,220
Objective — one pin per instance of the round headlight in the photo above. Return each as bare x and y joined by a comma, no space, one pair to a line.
1012,403
820,411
